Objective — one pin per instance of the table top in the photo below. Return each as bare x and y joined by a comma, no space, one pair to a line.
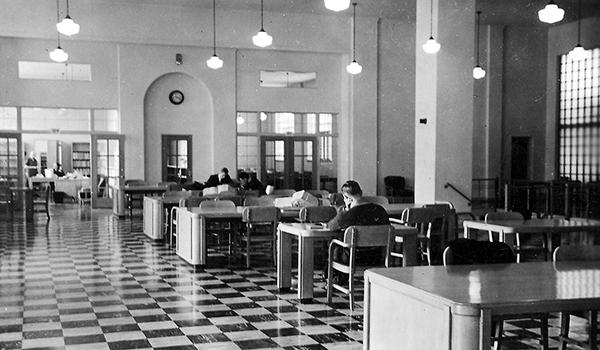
535,225
317,230
505,288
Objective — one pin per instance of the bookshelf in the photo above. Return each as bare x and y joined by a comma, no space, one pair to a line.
80,157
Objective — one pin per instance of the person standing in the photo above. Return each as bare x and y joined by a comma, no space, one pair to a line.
31,167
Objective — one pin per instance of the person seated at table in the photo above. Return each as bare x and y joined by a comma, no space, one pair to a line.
356,211
249,182
57,169
222,178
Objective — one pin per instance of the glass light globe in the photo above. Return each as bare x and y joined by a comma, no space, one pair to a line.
578,53
551,13
58,55
240,120
67,26
354,67
337,5
263,116
262,39
214,62
431,46
478,72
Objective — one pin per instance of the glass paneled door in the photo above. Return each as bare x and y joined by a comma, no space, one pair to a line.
177,158
11,161
289,162
107,168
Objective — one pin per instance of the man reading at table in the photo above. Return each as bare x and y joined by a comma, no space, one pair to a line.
357,212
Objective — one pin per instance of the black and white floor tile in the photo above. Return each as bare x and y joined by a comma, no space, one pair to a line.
87,280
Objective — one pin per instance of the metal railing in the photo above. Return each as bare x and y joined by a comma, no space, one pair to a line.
469,201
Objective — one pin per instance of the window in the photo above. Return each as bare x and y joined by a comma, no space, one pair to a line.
55,119
55,71
8,118
579,118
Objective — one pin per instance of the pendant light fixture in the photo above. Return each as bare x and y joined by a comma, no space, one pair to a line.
214,62
262,38
337,5
58,55
551,13
478,72
431,46
354,68
67,26
578,53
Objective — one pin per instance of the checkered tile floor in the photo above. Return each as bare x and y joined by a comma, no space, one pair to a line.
86,280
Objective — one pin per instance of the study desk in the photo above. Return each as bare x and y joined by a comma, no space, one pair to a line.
307,234
549,226
191,229
70,186
455,304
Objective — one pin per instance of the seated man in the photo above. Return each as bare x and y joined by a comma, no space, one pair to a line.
221,178
250,183
57,169
358,212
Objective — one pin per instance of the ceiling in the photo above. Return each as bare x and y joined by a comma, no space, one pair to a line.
508,12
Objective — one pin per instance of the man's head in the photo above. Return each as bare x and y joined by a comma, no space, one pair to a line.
352,193
244,177
224,172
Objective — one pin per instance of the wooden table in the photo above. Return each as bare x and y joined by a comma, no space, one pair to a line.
191,232
533,226
455,304
307,234
28,200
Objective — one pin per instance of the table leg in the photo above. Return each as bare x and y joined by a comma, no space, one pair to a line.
409,250
202,240
284,260
305,268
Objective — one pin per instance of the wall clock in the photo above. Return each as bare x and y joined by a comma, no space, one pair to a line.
176,97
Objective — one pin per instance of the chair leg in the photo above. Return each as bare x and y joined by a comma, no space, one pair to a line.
329,275
565,319
248,248
498,329
544,331
351,290
593,322
518,247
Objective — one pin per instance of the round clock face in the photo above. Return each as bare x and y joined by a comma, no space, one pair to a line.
176,97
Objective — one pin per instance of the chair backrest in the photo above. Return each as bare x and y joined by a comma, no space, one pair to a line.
217,204
237,200
422,218
261,214
503,215
193,201
368,235
177,194
465,251
317,214
264,201
283,192
376,199
577,253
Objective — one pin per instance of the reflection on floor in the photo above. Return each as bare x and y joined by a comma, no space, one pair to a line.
87,280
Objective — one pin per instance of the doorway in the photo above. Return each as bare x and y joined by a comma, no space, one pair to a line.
108,169
520,161
177,158
289,161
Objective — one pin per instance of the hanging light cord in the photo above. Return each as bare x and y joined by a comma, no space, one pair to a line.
261,16
431,19
354,32
214,30
477,31
579,25
57,20
67,8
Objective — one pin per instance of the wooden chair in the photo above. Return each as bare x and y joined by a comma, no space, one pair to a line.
381,200
261,227
172,195
518,247
316,214
578,253
264,201
464,251
423,219
354,237
218,229
41,200
84,195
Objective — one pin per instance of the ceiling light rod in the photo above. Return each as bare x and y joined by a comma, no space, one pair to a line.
478,72
578,52
58,55
214,62
67,26
431,46
262,38
354,67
